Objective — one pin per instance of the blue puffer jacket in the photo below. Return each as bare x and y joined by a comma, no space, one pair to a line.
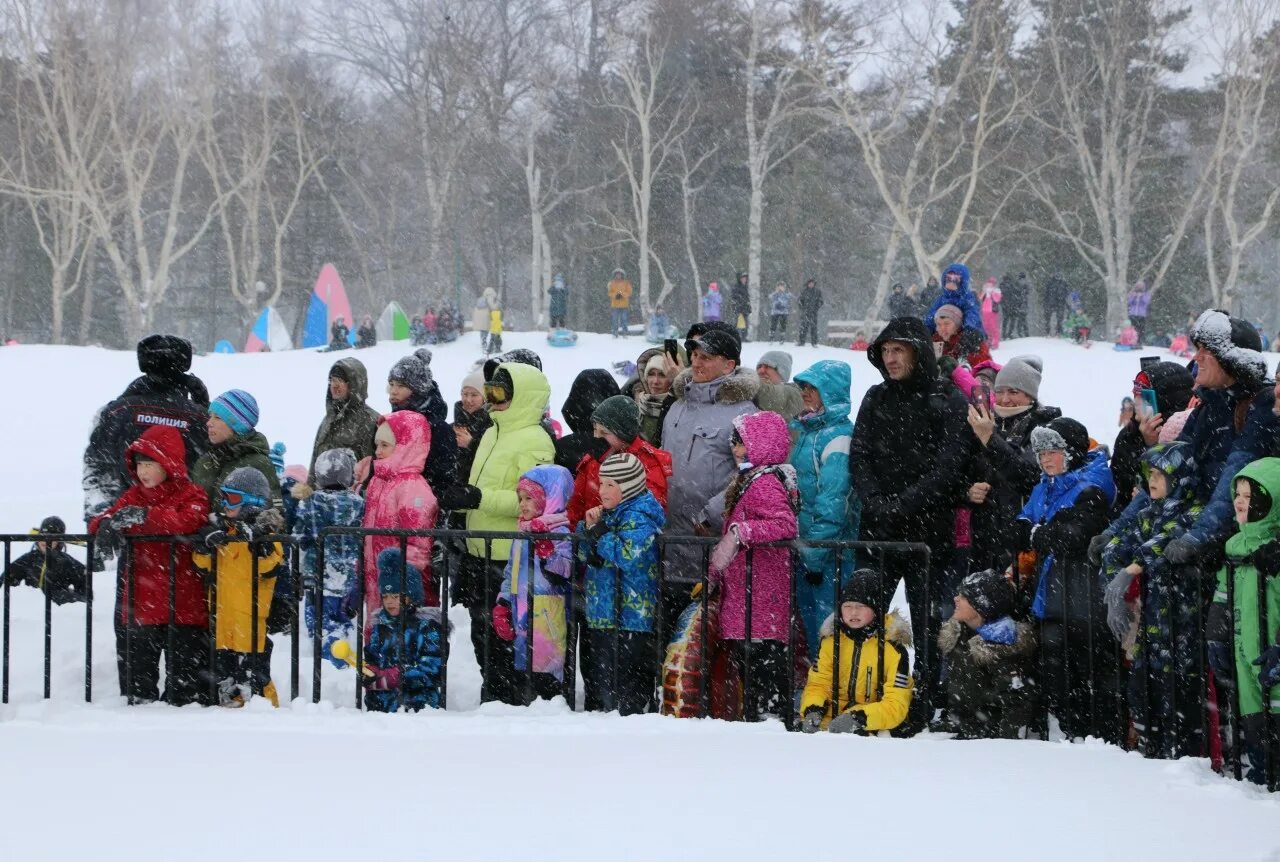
420,659
628,546
962,299
821,457
341,553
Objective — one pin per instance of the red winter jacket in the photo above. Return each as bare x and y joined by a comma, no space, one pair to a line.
175,507
586,478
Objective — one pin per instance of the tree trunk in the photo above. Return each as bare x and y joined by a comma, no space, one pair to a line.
754,242
882,282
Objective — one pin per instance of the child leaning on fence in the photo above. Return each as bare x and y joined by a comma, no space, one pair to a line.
545,565
1240,653
244,566
621,589
332,503
405,653
873,682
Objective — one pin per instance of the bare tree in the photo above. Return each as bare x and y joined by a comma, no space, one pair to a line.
652,120
1245,186
689,206
932,135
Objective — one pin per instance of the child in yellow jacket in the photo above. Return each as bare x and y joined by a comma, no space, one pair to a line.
871,696
240,638
495,331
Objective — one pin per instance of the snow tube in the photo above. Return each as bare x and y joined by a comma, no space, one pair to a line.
1125,347
224,346
562,338
682,682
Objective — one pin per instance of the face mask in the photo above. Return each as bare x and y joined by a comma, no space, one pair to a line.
1010,412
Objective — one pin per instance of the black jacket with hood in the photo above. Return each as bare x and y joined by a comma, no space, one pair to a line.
1173,385
589,388
911,446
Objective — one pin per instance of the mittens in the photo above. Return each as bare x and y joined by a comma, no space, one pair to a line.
1096,546
1269,664
460,497
1118,618
502,622
812,721
129,516
854,721
381,678
1180,551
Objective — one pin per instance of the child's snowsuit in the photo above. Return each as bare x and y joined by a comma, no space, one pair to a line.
874,676
962,298
621,591
419,655
1242,617
761,504
1165,682
240,638
988,686
323,509
399,498
495,331
550,566
711,302
53,571
177,507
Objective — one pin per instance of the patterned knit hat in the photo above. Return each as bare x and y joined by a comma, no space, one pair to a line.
413,373
276,455
628,472
990,593
238,409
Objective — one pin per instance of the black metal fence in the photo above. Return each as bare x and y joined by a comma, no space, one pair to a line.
1171,664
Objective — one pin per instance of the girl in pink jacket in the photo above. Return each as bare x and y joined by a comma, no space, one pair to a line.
760,506
399,498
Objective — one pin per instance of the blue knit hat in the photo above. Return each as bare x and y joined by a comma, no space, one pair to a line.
277,458
389,562
238,409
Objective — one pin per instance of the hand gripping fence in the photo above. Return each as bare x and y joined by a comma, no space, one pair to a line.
1184,720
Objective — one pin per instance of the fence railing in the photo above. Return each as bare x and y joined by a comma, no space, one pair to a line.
1190,711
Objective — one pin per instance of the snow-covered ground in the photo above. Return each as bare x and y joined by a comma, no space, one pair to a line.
104,781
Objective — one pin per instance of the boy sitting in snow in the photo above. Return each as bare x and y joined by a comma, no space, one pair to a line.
48,567
881,693
987,652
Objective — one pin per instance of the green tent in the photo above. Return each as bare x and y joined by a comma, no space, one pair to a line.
393,325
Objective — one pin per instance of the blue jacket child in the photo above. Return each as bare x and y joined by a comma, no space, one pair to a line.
961,297
405,653
332,504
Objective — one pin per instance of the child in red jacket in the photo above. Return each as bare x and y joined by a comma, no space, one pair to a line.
617,423
162,501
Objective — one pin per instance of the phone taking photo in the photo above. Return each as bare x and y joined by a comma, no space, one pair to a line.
1146,406
669,347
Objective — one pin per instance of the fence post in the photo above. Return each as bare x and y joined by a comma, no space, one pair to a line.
316,597
750,712
4,684
704,654
88,621
212,592
295,622
48,645
169,634
444,625
1233,690
1269,736
530,553
360,608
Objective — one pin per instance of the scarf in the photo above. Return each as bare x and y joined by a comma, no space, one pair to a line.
747,474
650,405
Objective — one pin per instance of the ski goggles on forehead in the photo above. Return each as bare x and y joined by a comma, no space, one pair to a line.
1142,381
234,499
496,393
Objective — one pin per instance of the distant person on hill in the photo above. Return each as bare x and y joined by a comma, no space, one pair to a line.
740,306
619,303
711,301
1054,304
486,303
779,311
558,302
956,291
367,334
810,302
339,335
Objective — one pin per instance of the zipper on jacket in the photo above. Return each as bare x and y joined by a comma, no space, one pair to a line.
867,699
853,673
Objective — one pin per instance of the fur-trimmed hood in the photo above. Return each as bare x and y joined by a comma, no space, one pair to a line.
896,628
742,384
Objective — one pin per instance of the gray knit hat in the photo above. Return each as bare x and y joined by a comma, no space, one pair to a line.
1022,373
250,481
627,471
414,373
779,361
336,468
949,312
620,416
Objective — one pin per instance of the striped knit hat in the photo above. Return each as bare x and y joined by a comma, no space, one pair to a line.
238,409
628,472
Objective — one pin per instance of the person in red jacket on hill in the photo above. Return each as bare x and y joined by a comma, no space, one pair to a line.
617,423
161,501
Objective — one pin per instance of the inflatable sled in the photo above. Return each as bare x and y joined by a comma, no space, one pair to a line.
682,681
562,338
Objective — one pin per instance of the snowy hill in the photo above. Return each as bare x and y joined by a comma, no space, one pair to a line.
325,782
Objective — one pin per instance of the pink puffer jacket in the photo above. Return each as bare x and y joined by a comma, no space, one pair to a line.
763,512
399,498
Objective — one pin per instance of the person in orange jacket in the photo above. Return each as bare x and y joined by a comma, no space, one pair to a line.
620,302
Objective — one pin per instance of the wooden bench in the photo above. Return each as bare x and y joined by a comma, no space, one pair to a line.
841,333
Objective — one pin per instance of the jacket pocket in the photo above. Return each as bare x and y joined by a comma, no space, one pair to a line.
707,437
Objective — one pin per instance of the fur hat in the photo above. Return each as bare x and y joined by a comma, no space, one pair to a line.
779,361
1234,343
336,468
619,415
238,409
625,469
990,593
390,563
949,312
1023,374
166,356
1062,434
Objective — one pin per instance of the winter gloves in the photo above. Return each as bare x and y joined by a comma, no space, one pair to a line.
460,497
502,622
1118,618
1269,666
1266,559
853,721
1181,551
381,678
1096,545
129,516
109,540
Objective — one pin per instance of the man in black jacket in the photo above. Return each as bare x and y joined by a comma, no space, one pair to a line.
740,306
165,394
1172,385
909,459
810,300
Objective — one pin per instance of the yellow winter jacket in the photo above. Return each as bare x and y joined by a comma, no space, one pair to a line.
619,293
235,594
495,322
884,714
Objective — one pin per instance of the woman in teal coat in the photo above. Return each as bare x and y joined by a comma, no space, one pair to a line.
828,506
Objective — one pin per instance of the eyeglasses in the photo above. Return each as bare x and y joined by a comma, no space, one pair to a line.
233,499
496,393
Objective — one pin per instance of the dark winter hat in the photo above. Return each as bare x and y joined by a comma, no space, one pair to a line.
238,409
339,372
164,356
717,343
1062,434
336,468
620,415
53,526
701,328
863,587
414,373
390,563
779,361
627,471
250,482
1234,343
521,355
990,593
1022,373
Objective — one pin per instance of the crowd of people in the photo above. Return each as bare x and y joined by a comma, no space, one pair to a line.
1119,591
